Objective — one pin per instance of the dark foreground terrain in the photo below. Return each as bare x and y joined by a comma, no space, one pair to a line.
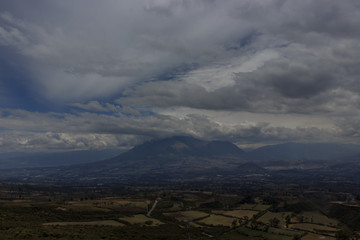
198,210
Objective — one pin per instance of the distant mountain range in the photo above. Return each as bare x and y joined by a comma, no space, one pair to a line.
305,151
181,157
176,154
55,159
188,147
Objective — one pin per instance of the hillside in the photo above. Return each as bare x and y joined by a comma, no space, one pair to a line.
179,153
187,158
56,159
305,151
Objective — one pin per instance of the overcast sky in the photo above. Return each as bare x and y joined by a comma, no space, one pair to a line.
90,74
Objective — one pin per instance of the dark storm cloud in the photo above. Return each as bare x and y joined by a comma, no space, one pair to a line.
126,68
98,50
311,82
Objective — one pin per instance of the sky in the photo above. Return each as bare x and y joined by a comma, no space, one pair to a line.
88,74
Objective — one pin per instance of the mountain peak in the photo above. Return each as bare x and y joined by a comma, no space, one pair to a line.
178,146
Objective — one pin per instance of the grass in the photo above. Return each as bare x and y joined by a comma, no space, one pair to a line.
176,207
187,216
108,205
192,224
236,213
254,207
85,207
264,235
312,236
313,227
318,218
194,214
217,220
133,203
233,235
283,231
92,223
270,215
142,220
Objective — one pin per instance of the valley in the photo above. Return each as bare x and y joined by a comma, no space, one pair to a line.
185,188
38,211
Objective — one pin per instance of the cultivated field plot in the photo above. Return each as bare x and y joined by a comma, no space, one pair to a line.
176,207
310,227
287,232
191,197
217,220
262,235
107,205
312,236
87,206
233,235
187,216
193,224
254,207
142,220
132,203
270,215
319,218
236,213
92,223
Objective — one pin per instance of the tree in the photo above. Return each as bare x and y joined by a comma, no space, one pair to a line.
342,235
300,218
274,222
254,225
233,224
297,237
288,220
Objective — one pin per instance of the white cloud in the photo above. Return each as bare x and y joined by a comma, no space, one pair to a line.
249,71
215,77
28,131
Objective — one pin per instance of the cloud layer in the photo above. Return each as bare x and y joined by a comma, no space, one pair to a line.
84,74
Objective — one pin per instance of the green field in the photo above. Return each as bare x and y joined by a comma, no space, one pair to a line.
84,207
312,236
236,213
282,231
270,215
267,235
254,207
319,218
313,227
187,216
108,205
92,223
176,207
233,235
141,220
132,203
217,220
123,217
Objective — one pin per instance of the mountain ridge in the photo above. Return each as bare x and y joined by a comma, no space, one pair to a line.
305,151
183,158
